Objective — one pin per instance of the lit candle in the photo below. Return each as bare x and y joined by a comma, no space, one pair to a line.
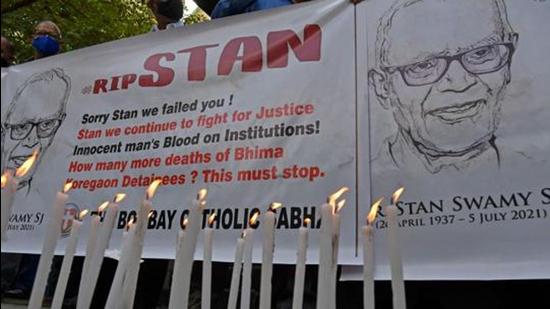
247,261
114,298
178,265
53,230
325,257
136,247
179,293
326,252
236,274
268,247
394,252
70,249
104,235
9,188
90,248
207,264
299,277
335,250
368,257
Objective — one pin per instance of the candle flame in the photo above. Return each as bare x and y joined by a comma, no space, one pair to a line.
150,214
395,196
83,214
119,197
201,195
152,188
254,218
26,166
4,179
340,205
273,206
211,218
307,221
336,195
103,206
185,222
374,210
67,187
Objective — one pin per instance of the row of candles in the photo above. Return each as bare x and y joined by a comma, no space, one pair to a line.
124,283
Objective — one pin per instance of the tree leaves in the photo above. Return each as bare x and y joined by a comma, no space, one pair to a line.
83,22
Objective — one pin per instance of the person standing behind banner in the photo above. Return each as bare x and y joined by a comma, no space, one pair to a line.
7,52
168,14
226,8
10,261
46,39
45,42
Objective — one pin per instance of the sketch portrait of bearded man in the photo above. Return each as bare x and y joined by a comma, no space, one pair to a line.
442,68
32,119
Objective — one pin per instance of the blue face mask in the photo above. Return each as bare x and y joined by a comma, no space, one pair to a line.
45,45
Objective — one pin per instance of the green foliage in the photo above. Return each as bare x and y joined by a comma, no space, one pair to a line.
198,16
83,22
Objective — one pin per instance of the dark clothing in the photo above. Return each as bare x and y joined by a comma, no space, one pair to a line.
226,8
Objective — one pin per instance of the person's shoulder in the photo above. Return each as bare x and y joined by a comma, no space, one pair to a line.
267,4
175,25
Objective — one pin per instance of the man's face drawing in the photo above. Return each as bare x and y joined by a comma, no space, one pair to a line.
442,70
32,121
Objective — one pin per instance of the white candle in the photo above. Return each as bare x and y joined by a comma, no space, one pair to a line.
134,256
236,274
394,252
268,246
247,262
90,247
70,249
328,250
299,277
104,235
207,264
136,247
368,257
335,250
178,265
368,267
9,187
53,230
325,257
179,292
114,298
334,262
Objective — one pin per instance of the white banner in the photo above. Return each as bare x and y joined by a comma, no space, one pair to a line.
256,108
454,106
448,99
